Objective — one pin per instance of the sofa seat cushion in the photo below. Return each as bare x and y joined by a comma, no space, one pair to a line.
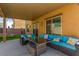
64,38
24,35
42,36
54,42
52,36
72,47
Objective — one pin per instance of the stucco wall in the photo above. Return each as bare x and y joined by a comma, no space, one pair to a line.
19,23
70,20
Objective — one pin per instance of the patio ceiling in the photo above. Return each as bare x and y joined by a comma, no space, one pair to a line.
28,10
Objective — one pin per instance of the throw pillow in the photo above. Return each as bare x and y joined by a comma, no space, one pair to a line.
56,39
29,36
45,36
72,41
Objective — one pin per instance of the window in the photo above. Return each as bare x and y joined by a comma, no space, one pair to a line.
48,27
53,25
56,25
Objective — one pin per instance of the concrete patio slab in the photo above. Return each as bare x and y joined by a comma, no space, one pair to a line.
13,48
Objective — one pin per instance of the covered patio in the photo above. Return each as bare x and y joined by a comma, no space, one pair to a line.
49,28
23,16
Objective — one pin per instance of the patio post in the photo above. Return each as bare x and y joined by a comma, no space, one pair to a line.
4,29
25,26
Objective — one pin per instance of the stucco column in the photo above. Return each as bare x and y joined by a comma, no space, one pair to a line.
13,23
4,29
25,27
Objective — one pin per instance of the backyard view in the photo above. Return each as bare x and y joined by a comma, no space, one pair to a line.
1,22
1,29
9,25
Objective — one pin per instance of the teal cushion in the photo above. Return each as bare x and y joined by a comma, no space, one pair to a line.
33,36
28,35
72,47
42,36
24,35
64,39
54,42
52,36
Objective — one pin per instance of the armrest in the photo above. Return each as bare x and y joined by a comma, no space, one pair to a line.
77,47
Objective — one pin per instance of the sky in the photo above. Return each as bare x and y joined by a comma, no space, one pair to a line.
9,22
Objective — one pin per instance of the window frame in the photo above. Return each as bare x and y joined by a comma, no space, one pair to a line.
51,18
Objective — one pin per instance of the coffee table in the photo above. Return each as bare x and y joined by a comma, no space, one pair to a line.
37,48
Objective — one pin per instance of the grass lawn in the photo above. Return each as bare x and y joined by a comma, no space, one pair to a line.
10,37
1,38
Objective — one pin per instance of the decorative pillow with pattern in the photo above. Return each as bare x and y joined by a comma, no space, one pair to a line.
29,36
56,39
45,36
72,41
